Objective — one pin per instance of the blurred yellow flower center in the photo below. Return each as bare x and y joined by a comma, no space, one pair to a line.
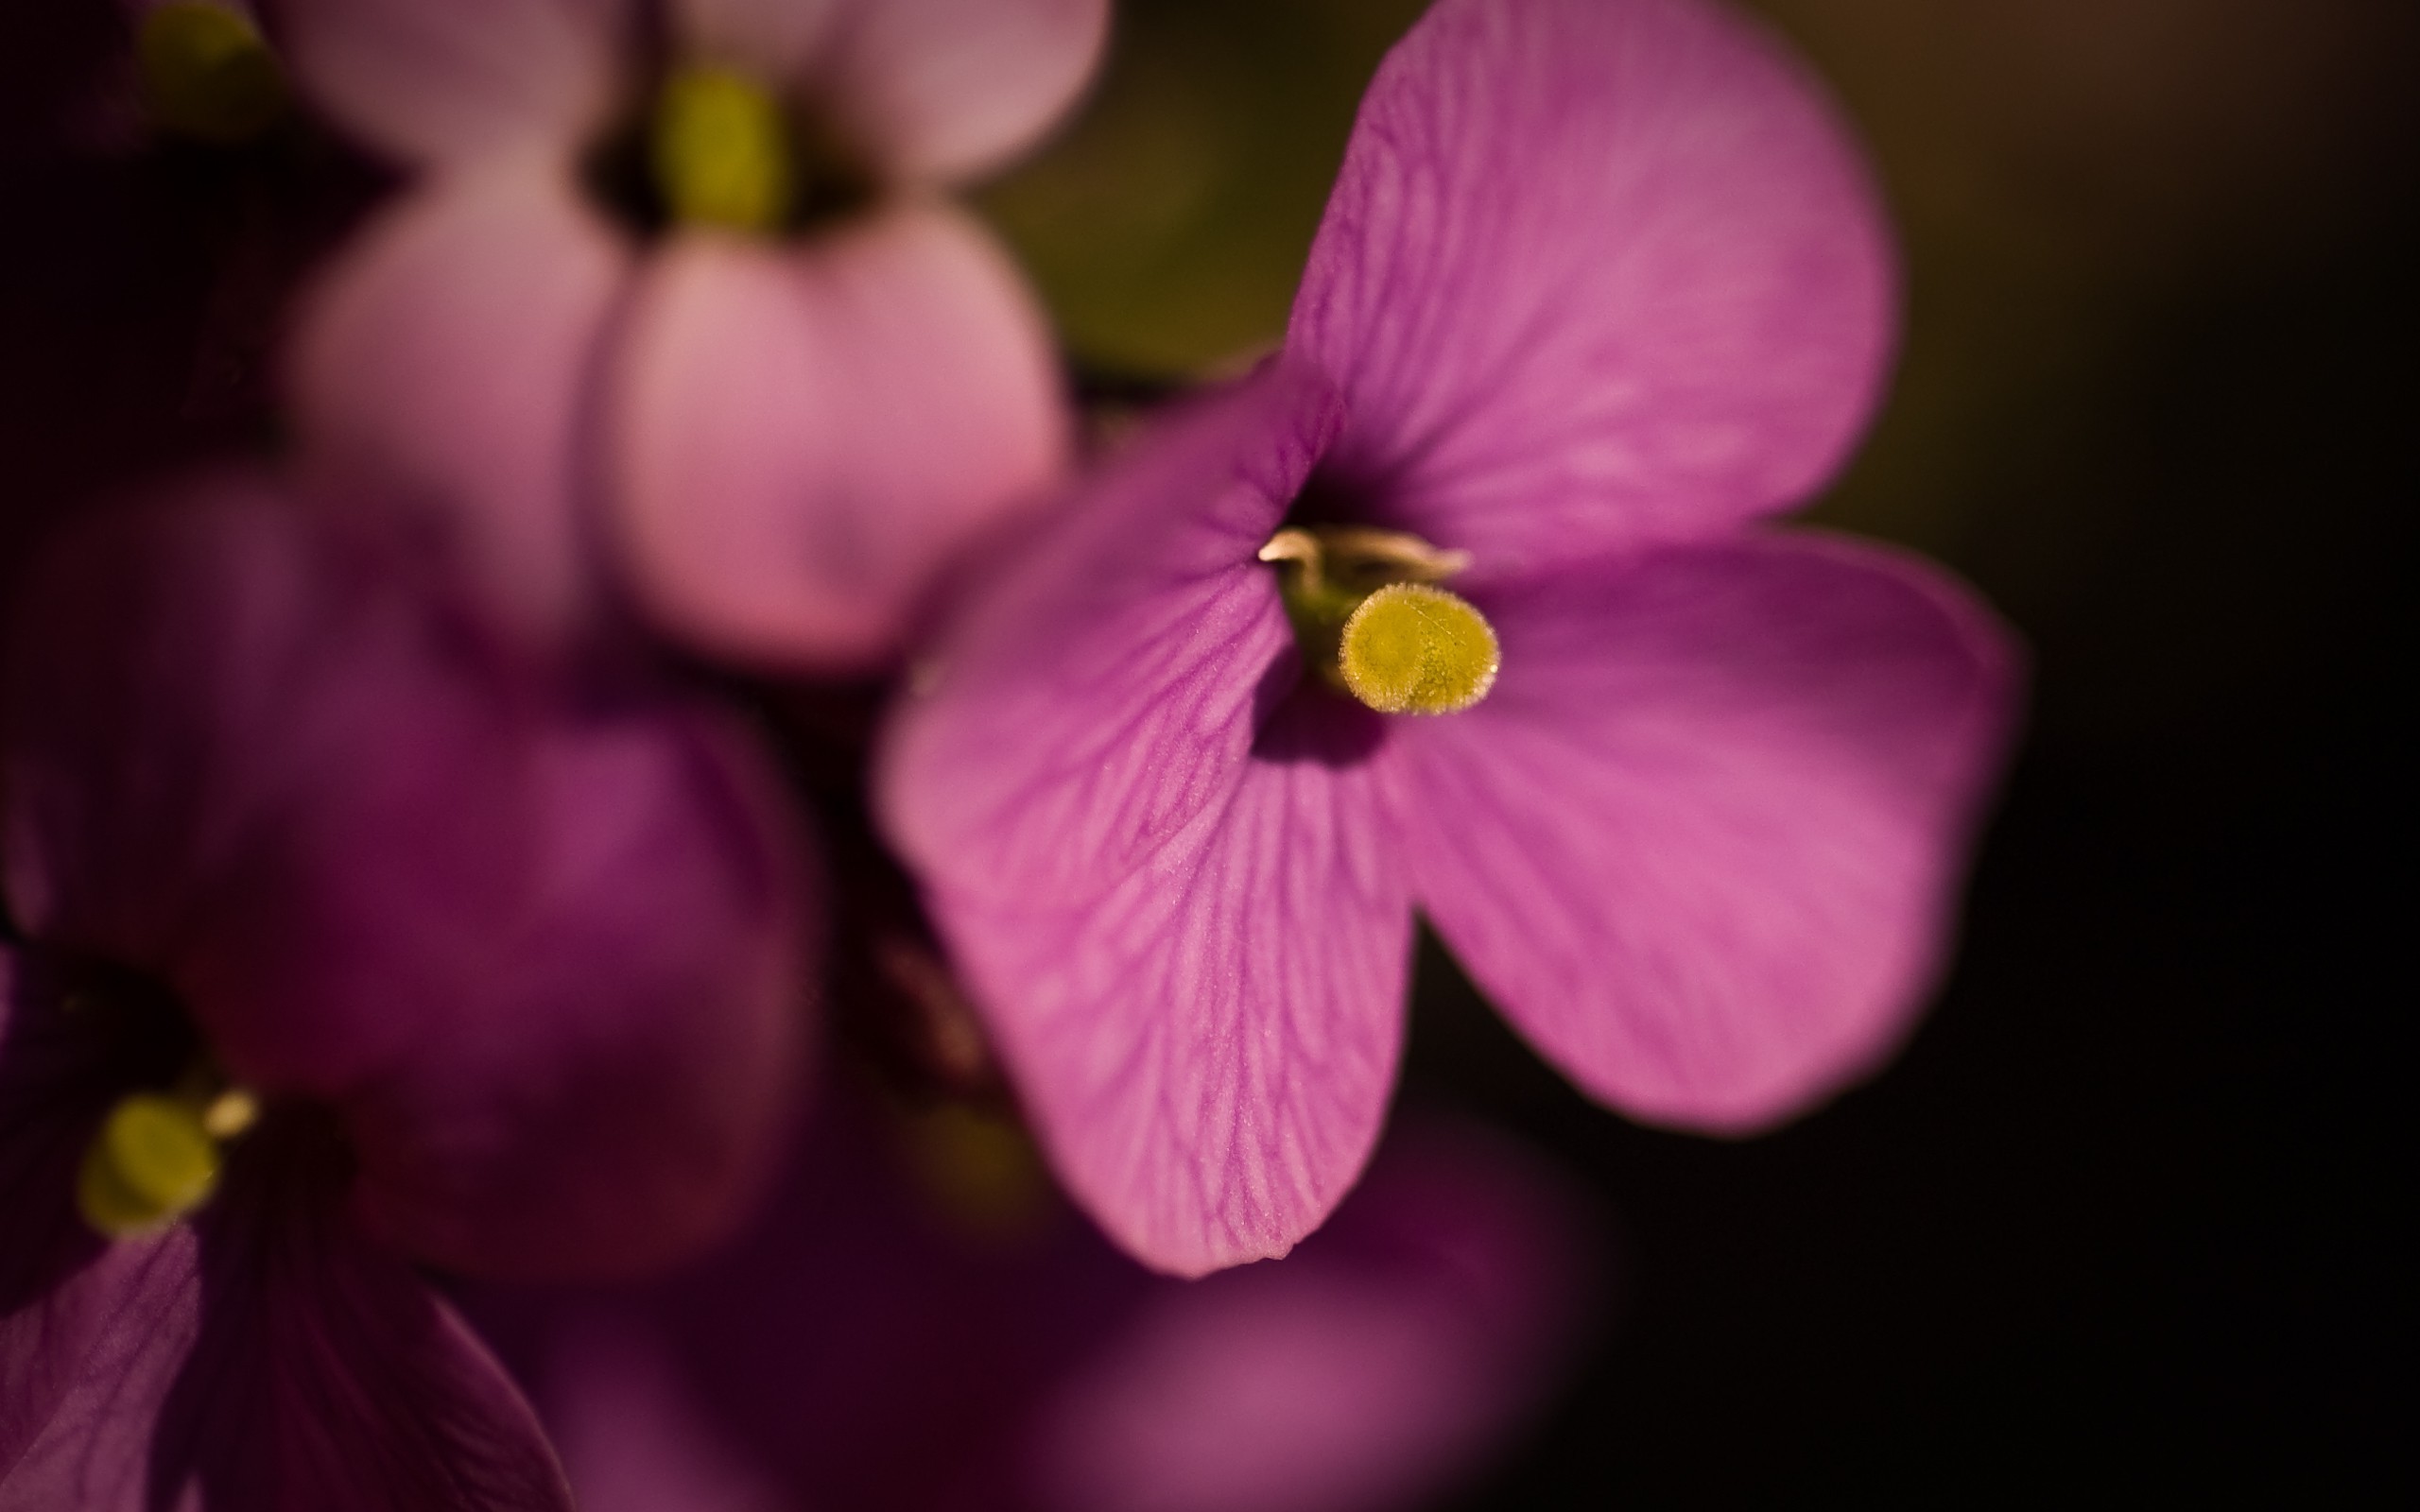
1371,620
206,73
156,1159
721,150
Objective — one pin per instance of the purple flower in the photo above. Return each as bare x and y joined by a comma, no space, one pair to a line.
779,417
1603,283
910,1327
349,947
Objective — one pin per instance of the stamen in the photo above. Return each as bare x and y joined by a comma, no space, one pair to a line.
721,150
1413,648
152,1163
1371,620
206,72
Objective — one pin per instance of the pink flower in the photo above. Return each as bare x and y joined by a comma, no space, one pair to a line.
320,895
868,1345
1603,285
775,430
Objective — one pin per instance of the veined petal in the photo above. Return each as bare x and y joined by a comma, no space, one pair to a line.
443,364
802,438
247,753
444,81
1702,842
946,89
1206,1049
63,1059
266,1355
1099,692
611,1084
1594,271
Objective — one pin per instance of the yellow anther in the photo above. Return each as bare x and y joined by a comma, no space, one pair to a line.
1414,648
230,1113
1373,623
153,1163
206,72
721,150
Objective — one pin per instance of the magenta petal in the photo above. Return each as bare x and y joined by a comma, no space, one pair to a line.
1381,1360
1206,1050
608,1087
804,437
437,80
1596,270
1099,694
267,1356
945,89
1702,843
245,754
441,367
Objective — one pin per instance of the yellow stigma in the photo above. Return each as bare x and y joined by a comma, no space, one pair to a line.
206,73
153,1163
1373,623
1412,649
721,150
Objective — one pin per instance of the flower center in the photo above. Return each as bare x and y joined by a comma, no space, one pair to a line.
206,73
715,146
157,1155
1372,621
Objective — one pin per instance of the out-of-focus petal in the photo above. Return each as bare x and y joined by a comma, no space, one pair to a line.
945,89
802,438
1596,271
245,754
442,365
1382,1360
1099,692
266,1355
440,80
780,36
1702,842
1206,1050
608,1087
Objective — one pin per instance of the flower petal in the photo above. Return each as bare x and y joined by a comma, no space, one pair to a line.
611,1086
1206,1049
1596,271
946,89
64,1057
1377,1364
244,753
804,437
1703,841
443,80
771,36
443,364
1098,694
267,1356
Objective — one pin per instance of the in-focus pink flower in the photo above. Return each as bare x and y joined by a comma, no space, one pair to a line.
777,431
446,973
867,1345
1603,285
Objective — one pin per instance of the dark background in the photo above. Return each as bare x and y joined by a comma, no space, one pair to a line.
2119,1221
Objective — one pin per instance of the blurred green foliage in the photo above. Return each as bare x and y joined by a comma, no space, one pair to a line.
1167,226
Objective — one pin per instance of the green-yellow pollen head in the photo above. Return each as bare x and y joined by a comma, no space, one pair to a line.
206,72
721,148
1413,648
153,1163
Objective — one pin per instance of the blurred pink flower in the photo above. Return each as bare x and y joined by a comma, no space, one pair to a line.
1603,282
773,440
513,986
864,1346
